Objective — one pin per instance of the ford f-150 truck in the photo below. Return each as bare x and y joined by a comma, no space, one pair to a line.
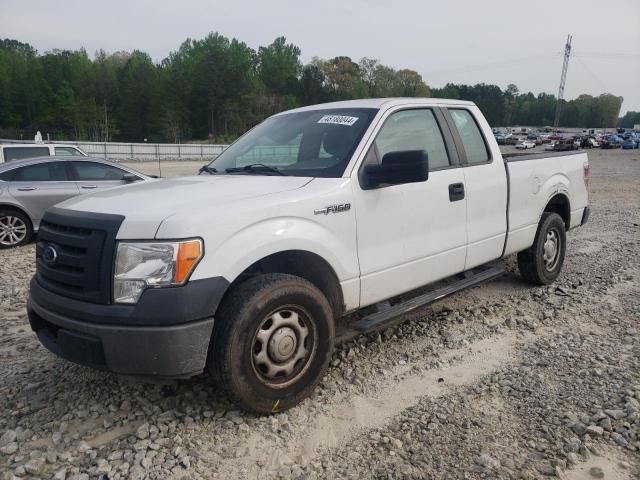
248,269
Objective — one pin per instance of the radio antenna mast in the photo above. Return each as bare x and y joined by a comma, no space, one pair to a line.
563,79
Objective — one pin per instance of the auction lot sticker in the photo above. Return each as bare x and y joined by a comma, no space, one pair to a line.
338,119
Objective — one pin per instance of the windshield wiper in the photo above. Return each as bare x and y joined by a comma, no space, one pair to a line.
256,167
208,169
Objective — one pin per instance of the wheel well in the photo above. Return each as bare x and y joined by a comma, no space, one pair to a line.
560,204
303,264
8,206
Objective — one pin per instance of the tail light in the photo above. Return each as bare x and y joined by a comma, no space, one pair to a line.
585,174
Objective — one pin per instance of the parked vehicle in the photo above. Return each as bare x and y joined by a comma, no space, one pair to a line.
17,151
589,142
28,187
564,144
550,147
630,143
611,141
537,139
525,145
317,212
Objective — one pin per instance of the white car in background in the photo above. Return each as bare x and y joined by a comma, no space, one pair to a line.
18,151
526,144
550,147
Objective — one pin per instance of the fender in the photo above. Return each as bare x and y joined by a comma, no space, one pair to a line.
557,184
239,251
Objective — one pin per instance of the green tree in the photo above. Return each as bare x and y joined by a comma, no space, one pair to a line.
137,106
410,84
279,66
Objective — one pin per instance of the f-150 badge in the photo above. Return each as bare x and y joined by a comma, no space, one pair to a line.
343,207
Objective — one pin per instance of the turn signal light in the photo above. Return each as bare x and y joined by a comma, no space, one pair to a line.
189,254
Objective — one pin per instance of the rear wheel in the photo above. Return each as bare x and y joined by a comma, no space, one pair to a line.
15,229
272,341
542,262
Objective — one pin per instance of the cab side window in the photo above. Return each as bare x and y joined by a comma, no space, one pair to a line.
474,145
16,153
415,129
67,151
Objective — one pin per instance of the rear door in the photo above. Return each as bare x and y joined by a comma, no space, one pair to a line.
95,176
412,234
41,185
485,181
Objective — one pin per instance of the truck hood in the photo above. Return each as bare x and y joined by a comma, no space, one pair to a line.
144,205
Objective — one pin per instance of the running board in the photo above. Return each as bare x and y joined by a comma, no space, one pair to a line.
384,316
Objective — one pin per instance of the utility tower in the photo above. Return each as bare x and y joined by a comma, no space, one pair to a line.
563,78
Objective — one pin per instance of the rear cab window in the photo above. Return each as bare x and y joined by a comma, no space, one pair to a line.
17,153
475,147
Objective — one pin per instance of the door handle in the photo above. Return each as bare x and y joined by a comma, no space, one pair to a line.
26,189
89,186
456,192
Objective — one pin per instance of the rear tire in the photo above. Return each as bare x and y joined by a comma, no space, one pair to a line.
542,262
15,228
272,341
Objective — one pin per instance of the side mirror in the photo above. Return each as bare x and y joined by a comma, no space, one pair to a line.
407,166
130,177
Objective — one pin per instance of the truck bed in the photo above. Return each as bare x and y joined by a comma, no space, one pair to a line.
533,180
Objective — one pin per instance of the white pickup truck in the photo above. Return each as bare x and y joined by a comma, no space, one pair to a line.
249,269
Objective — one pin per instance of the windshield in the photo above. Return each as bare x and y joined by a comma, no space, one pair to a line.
315,143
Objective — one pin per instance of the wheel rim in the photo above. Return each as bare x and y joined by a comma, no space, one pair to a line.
283,346
551,250
12,230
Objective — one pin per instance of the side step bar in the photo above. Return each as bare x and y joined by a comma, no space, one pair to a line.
385,315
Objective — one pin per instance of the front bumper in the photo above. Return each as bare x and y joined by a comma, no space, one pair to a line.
170,340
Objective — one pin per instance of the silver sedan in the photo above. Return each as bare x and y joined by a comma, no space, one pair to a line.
28,187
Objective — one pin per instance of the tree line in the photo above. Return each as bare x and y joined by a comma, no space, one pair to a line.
216,88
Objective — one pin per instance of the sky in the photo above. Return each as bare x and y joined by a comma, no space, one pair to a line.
459,41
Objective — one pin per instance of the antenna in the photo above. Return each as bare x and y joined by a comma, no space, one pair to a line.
563,79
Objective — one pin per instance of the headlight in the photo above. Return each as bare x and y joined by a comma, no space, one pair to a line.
140,265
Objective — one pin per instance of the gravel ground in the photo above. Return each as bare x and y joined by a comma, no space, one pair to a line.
500,381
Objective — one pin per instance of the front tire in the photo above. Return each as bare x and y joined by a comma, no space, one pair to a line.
272,341
541,263
15,229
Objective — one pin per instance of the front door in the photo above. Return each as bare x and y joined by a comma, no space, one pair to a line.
412,234
95,176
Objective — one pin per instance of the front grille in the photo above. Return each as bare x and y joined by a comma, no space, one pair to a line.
84,245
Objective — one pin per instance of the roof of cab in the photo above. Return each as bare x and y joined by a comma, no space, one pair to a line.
379,103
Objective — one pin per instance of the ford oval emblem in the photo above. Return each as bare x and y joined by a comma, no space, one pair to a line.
49,255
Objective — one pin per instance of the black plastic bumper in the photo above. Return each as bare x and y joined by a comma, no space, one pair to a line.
162,336
585,215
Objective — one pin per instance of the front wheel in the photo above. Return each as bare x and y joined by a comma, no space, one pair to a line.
541,263
272,341
15,229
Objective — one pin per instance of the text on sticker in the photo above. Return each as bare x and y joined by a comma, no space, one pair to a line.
338,120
